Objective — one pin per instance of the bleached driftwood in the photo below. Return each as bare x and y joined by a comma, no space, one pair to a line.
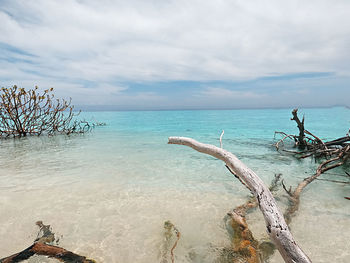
222,134
275,223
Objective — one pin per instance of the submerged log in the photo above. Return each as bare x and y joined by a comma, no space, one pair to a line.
43,246
47,250
275,223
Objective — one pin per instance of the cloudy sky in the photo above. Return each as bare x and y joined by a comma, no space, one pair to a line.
179,54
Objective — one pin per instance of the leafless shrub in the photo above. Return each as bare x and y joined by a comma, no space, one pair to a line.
31,112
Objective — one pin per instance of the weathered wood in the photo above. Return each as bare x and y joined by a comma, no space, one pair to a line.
314,146
300,124
335,152
275,223
46,250
340,141
294,196
42,246
318,140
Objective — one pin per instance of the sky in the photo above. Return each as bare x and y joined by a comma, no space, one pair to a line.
179,54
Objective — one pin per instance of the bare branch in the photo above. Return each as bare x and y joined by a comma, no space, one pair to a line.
29,112
288,191
222,134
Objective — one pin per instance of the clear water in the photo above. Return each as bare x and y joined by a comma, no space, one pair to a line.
108,193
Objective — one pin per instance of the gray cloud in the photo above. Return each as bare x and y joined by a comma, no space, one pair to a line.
68,43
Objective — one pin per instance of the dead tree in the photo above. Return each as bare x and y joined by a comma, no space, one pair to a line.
314,145
300,139
332,154
276,226
30,112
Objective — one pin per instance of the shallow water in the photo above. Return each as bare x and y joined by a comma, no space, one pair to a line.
106,194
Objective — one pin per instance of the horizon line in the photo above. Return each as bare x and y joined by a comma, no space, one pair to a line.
97,108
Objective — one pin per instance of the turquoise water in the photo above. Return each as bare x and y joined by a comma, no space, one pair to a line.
108,192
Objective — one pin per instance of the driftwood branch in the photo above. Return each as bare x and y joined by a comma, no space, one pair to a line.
294,197
46,250
43,246
275,223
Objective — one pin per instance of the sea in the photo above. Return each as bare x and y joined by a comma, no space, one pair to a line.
107,193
